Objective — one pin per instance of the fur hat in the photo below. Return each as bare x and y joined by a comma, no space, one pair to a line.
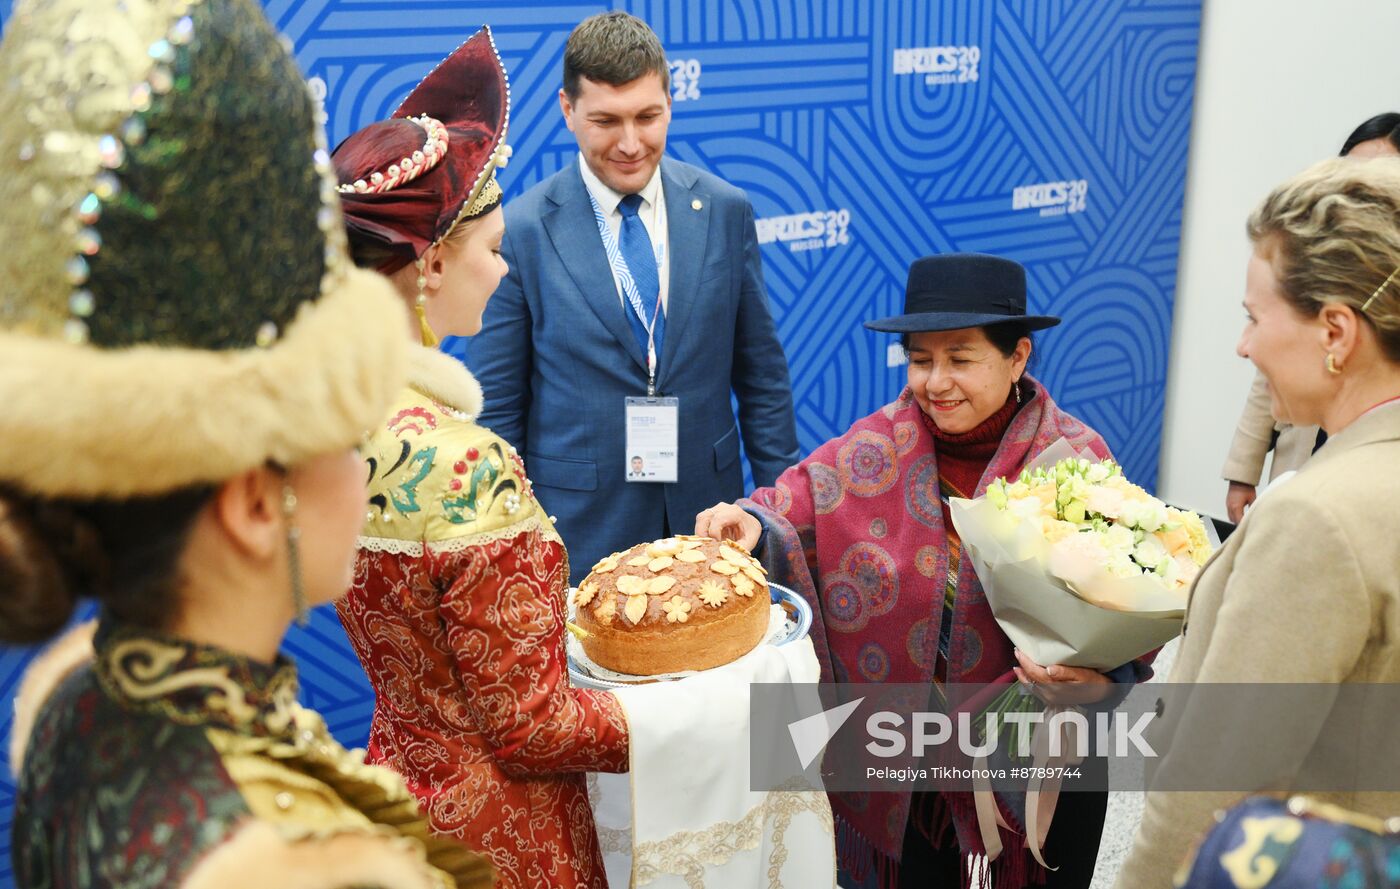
407,181
178,305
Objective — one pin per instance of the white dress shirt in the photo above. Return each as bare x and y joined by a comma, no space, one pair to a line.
653,216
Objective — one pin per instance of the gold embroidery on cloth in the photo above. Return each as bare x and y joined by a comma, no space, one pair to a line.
312,787
817,803
80,73
139,668
64,90
490,194
689,853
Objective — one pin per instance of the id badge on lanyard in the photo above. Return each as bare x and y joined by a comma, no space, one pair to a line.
653,436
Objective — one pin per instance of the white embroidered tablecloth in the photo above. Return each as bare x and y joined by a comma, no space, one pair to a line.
684,817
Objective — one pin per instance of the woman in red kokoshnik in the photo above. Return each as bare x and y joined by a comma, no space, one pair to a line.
457,605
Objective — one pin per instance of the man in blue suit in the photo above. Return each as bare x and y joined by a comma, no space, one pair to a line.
632,276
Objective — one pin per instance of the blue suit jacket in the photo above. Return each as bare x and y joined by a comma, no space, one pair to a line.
556,359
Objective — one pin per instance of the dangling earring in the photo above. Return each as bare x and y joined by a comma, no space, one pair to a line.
289,508
420,306
1016,388
1332,367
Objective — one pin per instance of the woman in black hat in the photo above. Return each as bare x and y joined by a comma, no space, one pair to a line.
861,528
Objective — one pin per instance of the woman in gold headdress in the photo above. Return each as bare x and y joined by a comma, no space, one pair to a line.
187,360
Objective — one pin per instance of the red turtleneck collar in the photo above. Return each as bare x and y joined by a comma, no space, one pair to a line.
989,431
963,456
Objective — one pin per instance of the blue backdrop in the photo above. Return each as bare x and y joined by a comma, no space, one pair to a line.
867,133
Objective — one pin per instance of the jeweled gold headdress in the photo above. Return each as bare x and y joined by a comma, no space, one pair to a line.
178,304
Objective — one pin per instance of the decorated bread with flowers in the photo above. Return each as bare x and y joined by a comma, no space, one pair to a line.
682,603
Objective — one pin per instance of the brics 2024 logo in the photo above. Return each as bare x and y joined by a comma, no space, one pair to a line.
806,231
939,64
685,79
1052,198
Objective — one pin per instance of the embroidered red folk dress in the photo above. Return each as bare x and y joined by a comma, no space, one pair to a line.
457,614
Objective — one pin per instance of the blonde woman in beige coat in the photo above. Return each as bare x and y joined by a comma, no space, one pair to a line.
1258,432
1307,590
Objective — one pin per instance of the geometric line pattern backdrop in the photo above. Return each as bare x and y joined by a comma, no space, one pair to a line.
867,133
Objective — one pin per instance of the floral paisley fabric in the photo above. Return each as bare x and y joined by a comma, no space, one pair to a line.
457,614
857,528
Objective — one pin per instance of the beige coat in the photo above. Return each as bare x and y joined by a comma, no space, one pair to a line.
1249,447
1307,590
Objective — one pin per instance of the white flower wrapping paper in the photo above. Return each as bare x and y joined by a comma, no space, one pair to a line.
1069,603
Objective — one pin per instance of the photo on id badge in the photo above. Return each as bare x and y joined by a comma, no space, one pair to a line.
653,427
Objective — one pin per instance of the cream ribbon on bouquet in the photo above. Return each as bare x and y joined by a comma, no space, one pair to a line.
1048,761
1042,788
1047,773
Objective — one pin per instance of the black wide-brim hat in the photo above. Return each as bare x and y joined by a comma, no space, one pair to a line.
960,290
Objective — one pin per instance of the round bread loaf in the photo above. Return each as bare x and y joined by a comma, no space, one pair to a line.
683,603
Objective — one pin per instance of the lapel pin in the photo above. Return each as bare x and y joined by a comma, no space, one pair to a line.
696,205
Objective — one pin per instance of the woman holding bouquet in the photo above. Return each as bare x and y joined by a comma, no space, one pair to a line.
861,528
1306,590
456,610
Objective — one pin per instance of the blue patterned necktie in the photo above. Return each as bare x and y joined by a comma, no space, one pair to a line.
637,250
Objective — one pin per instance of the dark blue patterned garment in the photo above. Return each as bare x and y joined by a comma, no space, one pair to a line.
1269,844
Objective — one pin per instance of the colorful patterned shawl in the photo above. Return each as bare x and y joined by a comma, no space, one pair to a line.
857,529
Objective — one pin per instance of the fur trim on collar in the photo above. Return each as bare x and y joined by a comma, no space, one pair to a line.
69,652
260,855
443,378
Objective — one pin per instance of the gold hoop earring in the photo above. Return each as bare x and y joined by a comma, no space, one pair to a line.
420,307
289,508
1332,367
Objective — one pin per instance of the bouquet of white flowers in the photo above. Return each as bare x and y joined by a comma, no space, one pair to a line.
1080,566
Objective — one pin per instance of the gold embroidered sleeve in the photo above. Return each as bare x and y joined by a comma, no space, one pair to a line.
439,479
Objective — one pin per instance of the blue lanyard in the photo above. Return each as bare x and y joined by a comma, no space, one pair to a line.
623,276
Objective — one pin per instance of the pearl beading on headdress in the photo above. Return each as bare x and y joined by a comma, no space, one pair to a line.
410,168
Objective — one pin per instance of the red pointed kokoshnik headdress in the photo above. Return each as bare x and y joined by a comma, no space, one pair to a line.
406,182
